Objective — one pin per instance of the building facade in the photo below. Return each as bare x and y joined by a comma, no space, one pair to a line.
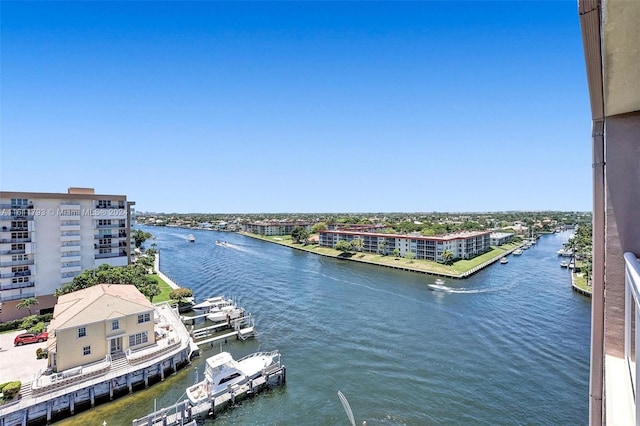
463,245
500,238
106,319
610,34
46,239
275,228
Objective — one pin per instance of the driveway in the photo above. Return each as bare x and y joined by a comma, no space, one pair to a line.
19,362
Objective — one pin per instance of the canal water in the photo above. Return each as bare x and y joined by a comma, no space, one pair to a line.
509,345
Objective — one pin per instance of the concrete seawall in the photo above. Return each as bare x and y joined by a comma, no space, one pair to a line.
156,267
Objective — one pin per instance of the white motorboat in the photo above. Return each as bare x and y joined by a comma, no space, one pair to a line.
517,252
564,264
222,372
504,260
225,313
191,238
212,303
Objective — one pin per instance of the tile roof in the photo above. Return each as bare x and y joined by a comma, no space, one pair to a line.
98,303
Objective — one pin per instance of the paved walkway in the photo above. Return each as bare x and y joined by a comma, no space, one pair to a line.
19,362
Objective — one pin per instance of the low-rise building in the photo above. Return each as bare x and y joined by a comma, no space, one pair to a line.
275,228
500,238
106,319
463,245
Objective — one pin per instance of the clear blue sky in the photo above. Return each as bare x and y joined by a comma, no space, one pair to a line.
298,107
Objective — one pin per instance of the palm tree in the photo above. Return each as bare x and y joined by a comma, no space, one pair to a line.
27,303
447,256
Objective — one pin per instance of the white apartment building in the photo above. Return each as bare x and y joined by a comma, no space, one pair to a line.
463,245
46,239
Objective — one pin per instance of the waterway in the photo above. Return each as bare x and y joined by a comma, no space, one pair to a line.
509,345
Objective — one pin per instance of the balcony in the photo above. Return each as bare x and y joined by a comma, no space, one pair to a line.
70,237
15,240
22,251
70,257
622,399
13,286
14,206
16,296
69,227
17,263
16,214
70,268
71,247
107,255
16,274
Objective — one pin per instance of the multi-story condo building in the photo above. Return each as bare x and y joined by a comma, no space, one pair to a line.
611,36
46,239
463,245
275,228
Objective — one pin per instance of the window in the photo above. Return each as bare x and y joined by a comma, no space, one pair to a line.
115,325
82,332
86,350
20,246
138,339
144,318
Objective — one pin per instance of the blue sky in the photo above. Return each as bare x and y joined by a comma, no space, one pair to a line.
230,107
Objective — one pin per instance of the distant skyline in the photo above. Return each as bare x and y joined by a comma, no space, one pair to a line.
232,107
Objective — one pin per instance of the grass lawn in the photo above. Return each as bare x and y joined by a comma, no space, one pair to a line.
458,268
164,287
580,281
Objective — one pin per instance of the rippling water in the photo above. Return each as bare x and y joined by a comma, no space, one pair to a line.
509,345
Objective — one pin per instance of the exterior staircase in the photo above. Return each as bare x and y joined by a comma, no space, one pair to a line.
119,362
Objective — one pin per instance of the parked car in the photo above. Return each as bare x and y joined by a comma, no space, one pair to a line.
25,338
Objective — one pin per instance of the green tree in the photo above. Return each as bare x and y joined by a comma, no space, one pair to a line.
320,226
343,246
180,293
382,246
447,257
396,252
139,237
411,255
299,234
27,303
150,290
356,244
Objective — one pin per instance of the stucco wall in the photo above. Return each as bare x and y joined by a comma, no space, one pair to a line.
622,219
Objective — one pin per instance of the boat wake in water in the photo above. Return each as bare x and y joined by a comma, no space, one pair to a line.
445,289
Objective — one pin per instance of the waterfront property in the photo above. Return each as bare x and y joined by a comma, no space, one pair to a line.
463,245
500,238
106,319
275,227
610,38
52,396
46,239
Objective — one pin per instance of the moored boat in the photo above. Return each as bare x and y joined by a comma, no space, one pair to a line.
222,372
504,260
517,252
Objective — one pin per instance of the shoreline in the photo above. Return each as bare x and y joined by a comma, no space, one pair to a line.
462,275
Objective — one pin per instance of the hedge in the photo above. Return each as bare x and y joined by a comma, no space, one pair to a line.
11,389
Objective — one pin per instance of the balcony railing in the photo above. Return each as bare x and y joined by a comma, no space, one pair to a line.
15,240
106,255
14,286
17,263
16,297
16,274
631,325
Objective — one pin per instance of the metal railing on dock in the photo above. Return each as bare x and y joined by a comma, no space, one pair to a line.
184,413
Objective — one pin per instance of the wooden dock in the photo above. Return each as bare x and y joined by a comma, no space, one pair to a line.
242,330
185,414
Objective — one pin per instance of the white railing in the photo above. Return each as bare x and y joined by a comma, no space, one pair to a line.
632,323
